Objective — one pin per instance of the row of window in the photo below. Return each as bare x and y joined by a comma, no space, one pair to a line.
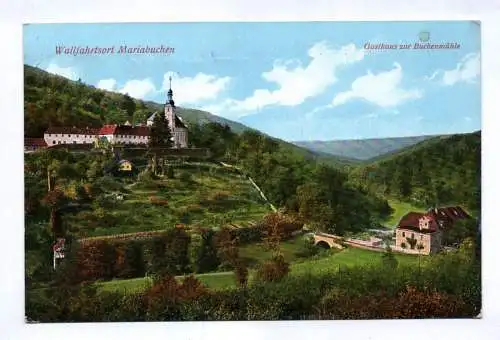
413,235
62,135
92,136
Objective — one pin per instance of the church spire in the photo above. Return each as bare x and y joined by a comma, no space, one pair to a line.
170,99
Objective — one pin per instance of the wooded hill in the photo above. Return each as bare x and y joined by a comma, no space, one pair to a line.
52,100
438,171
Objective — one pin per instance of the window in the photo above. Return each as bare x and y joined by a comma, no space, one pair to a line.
69,135
49,134
53,142
403,234
421,237
74,142
58,142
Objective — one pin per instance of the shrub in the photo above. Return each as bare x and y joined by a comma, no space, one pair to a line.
185,177
146,176
308,248
241,272
170,172
206,259
157,201
227,247
273,270
388,259
130,260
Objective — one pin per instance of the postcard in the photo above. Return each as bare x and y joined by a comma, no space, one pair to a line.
252,171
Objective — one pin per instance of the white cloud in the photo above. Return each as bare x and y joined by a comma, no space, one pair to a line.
382,89
295,82
67,72
106,84
195,89
186,89
138,88
467,70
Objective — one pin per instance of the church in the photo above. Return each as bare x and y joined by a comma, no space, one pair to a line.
119,134
175,123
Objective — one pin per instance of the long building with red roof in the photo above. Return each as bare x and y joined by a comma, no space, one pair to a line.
120,134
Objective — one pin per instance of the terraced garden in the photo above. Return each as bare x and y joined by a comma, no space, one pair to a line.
199,195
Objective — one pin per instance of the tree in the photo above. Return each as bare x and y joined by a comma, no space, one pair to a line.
160,137
206,258
388,258
460,230
227,247
128,105
160,134
55,199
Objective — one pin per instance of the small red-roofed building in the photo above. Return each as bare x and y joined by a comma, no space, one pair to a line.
423,232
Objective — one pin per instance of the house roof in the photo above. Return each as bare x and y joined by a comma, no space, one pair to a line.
443,217
449,214
108,129
132,130
40,142
72,130
410,221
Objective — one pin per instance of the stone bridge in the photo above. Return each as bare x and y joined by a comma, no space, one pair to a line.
327,240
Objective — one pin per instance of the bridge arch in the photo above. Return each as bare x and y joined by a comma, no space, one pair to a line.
323,244
327,241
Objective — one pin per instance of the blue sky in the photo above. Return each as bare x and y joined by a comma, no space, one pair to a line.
295,81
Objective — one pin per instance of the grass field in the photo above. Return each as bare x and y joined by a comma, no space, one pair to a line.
201,194
400,209
257,253
225,280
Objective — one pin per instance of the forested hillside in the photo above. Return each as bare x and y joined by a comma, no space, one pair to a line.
54,100
435,172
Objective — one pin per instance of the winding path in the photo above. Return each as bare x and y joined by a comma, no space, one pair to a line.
253,183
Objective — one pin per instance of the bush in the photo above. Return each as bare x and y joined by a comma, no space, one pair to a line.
308,248
108,183
186,177
205,257
273,270
170,172
241,272
146,176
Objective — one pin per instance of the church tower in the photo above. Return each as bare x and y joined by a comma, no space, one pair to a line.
170,108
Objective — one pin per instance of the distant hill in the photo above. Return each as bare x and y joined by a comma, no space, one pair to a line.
437,171
362,149
201,117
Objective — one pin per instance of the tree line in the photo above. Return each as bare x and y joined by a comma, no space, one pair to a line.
434,173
